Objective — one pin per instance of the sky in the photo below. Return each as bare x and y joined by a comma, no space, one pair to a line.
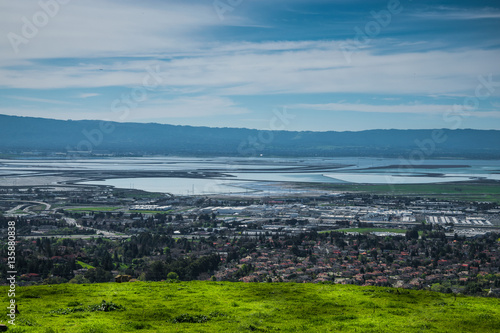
301,65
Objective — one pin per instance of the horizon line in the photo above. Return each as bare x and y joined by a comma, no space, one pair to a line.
253,129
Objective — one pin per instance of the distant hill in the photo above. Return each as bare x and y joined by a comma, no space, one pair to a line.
39,134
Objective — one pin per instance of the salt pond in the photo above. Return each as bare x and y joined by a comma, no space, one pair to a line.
243,175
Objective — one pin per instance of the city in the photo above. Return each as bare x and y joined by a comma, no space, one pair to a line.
345,238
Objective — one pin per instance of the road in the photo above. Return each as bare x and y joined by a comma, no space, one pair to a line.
72,222
13,210
27,205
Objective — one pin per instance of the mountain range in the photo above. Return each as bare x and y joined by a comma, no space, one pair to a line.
84,137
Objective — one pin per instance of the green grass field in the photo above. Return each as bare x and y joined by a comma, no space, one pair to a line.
37,208
92,209
84,265
239,307
466,191
150,211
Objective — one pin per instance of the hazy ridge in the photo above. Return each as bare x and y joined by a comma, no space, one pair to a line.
28,133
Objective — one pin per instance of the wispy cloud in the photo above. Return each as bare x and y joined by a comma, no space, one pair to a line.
87,95
262,52
454,13
40,100
290,68
61,113
415,108
101,28
187,107
157,109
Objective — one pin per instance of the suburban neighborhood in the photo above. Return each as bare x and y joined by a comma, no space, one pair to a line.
363,239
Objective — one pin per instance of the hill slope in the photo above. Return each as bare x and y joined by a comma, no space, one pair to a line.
24,133
238,307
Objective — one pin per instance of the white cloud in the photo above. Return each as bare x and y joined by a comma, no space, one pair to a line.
39,100
414,108
452,13
291,67
53,113
188,107
103,28
158,109
87,95
94,44
118,42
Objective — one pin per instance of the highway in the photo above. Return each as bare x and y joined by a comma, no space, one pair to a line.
27,205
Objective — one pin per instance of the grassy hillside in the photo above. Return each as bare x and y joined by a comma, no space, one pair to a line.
238,307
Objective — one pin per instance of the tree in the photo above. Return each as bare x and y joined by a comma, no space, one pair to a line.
204,217
173,276
412,234
362,258
156,271
107,262
98,275
79,279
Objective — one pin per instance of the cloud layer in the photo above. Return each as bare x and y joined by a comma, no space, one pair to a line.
88,54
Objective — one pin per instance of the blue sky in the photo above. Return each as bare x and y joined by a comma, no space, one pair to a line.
330,65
